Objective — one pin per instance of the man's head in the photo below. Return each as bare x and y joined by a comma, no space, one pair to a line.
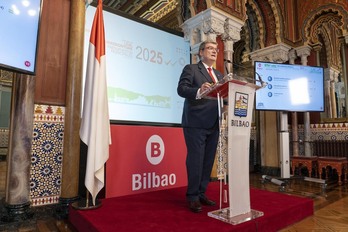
208,52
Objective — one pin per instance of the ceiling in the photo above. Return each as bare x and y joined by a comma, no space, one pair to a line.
162,12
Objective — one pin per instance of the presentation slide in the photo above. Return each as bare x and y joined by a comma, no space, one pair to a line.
290,87
143,66
19,23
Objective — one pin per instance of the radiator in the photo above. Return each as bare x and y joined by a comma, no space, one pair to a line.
331,148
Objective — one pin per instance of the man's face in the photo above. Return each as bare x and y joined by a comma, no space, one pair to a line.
209,53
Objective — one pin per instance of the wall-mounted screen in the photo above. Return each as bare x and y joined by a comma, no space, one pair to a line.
295,88
19,23
143,66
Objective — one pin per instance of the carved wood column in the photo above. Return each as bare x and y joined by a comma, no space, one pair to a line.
333,80
345,72
71,152
333,97
230,36
327,93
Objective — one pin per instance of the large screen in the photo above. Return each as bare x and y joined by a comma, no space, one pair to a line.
295,88
19,23
143,66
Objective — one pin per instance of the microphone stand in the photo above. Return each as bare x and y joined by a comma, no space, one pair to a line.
263,84
227,71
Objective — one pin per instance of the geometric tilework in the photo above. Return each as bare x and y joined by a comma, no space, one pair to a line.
47,150
330,126
221,158
323,131
46,155
326,131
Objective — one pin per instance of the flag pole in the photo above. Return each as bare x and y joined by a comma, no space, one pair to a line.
86,204
95,122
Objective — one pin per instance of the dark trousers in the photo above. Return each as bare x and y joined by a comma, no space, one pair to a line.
201,149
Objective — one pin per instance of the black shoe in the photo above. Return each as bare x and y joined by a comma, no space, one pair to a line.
195,206
206,201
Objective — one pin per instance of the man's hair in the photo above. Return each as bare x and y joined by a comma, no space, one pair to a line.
202,46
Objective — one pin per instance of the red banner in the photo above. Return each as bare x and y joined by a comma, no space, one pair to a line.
145,159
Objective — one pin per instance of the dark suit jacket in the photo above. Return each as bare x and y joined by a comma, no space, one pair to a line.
198,113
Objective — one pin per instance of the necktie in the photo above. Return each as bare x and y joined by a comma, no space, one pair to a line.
211,75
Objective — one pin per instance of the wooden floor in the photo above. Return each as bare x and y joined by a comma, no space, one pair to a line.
330,208
330,203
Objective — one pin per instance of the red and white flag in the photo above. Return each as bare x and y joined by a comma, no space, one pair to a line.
95,122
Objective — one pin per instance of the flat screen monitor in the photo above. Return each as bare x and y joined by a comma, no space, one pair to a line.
143,65
19,23
294,88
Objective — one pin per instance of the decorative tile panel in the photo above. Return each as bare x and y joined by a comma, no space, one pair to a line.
329,131
324,131
46,154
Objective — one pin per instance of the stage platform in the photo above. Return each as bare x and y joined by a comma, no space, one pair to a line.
166,210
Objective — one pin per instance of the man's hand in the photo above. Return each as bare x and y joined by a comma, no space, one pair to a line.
205,86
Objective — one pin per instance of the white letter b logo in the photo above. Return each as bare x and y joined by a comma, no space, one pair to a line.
155,149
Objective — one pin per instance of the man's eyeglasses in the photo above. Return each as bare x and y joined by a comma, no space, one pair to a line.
211,49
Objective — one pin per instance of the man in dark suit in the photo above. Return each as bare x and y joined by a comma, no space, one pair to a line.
200,123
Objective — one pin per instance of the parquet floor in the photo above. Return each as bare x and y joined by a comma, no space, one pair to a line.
330,203
330,208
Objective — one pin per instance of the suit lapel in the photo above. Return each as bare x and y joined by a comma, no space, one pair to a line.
204,71
218,75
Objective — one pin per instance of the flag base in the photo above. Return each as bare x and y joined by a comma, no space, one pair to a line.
86,204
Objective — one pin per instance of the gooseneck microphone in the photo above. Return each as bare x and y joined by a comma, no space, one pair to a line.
227,61
263,84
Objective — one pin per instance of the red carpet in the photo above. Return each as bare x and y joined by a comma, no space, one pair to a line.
166,210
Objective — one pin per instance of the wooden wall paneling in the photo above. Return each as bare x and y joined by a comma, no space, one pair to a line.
52,53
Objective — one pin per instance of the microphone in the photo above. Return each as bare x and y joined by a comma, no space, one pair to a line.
263,84
227,61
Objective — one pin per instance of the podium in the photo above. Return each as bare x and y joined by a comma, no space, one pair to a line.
240,93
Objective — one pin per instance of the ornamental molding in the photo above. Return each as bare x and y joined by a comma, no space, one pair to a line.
212,21
278,53
331,74
304,52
